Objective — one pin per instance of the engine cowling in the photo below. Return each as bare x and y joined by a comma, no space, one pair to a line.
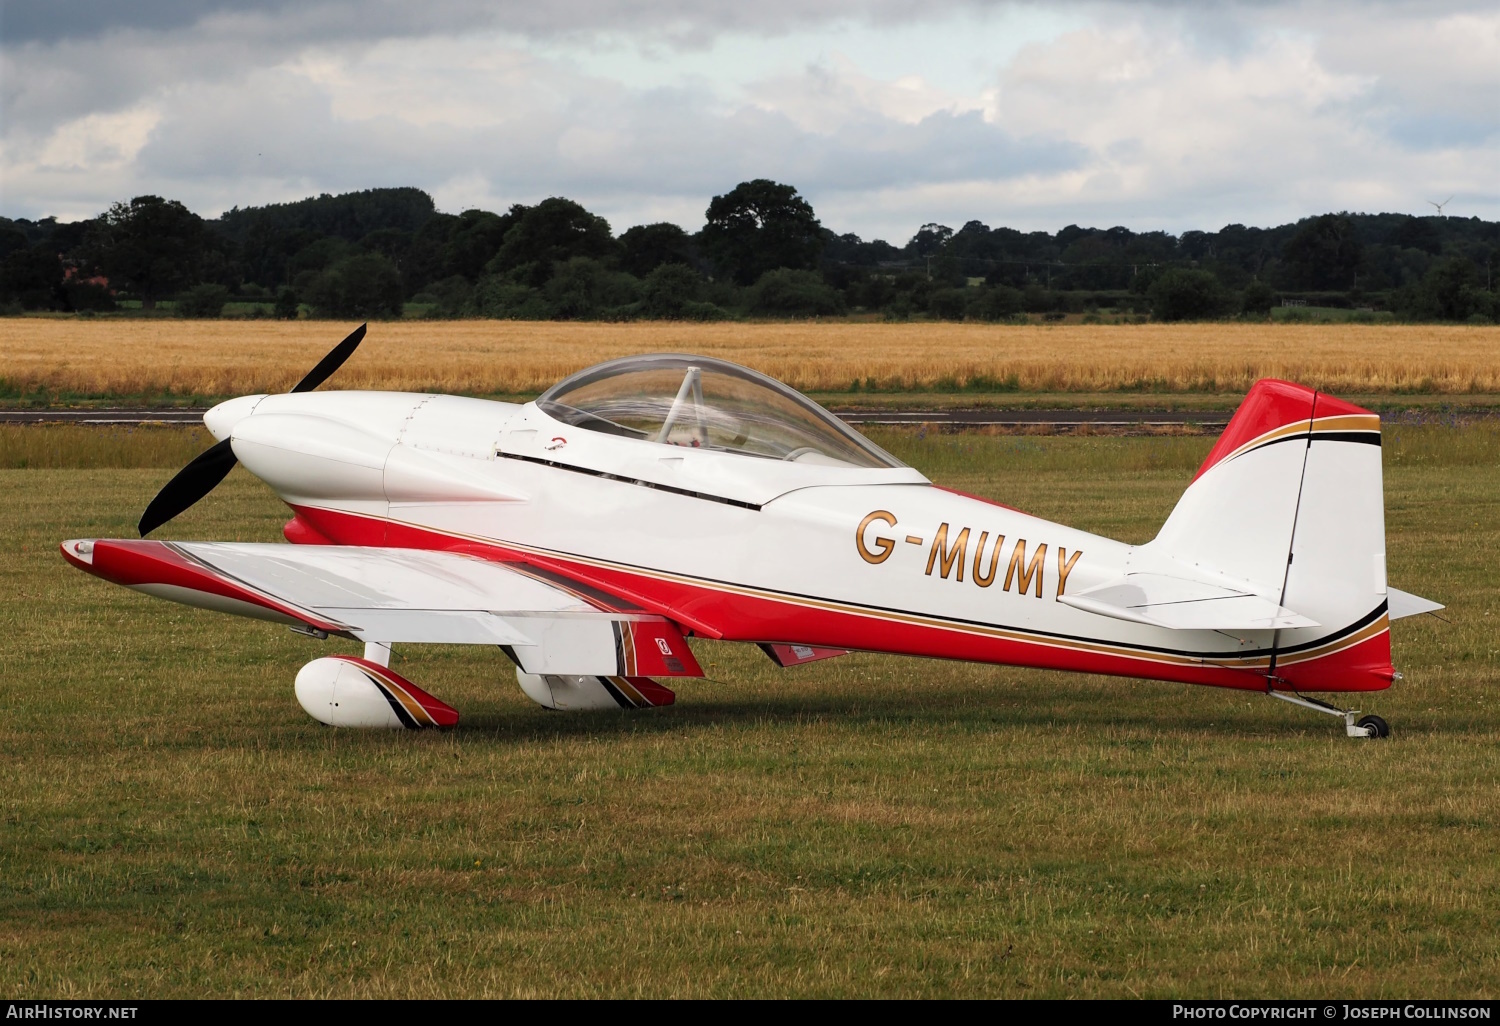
345,691
571,693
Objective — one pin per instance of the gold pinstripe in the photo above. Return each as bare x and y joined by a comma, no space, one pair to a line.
1226,661
1373,629
1349,422
1342,423
410,704
628,690
627,648
1286,430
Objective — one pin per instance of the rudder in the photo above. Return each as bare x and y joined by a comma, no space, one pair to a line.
1336,568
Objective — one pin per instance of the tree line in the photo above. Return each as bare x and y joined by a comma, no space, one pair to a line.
762,252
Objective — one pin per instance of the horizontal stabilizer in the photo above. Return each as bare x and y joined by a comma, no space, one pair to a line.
1404,603
1184,605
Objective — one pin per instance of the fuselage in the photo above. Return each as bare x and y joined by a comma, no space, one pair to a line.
729,545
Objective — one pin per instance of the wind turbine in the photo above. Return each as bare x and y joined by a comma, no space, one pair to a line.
1440,206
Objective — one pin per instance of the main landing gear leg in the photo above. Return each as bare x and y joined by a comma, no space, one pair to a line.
378,653
1368,726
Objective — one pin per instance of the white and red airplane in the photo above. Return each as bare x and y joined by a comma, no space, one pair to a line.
652,499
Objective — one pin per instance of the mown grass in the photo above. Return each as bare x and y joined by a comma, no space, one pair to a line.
44,360
80,446
175,825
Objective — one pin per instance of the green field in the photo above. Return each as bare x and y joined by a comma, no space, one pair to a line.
175,825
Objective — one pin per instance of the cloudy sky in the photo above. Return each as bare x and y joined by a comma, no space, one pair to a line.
885,113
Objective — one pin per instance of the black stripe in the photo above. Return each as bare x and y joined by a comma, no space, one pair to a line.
771,654
1327,639
616,693
961,622
400,710
631,481
957,621
1300,437
1365,437
613,603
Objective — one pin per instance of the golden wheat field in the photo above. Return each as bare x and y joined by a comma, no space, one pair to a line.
217,358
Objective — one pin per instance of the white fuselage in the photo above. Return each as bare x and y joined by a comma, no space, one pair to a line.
728,545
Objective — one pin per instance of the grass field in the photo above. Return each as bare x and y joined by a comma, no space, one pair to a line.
174,824
47,360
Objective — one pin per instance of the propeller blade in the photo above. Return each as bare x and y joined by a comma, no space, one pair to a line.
211,466
332,362
192,483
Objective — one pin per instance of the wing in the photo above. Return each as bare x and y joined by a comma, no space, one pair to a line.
1182,604
402,595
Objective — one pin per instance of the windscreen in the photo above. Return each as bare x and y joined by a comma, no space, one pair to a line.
710,404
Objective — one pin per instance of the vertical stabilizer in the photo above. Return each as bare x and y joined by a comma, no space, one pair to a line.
1236,517
1290,503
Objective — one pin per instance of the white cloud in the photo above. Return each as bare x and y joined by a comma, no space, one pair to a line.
98,141
886,115
1437,76
1273,131
832,93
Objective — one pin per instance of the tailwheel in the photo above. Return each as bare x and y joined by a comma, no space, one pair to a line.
1367,726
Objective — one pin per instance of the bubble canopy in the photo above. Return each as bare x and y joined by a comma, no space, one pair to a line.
705,403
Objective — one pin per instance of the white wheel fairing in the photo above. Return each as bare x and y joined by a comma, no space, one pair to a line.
345,691
571,693
340,694
577,693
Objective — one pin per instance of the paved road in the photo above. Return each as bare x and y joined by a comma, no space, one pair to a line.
101,416
956,418
1022,418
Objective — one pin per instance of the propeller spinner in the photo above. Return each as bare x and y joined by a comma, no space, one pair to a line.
204,473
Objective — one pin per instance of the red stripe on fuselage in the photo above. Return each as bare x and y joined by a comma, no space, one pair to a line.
730,614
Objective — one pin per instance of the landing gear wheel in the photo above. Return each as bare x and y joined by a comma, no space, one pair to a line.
1368,726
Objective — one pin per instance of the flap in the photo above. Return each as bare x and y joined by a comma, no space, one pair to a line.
1403,603
1181,604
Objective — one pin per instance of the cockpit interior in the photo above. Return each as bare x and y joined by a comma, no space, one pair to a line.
705,403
